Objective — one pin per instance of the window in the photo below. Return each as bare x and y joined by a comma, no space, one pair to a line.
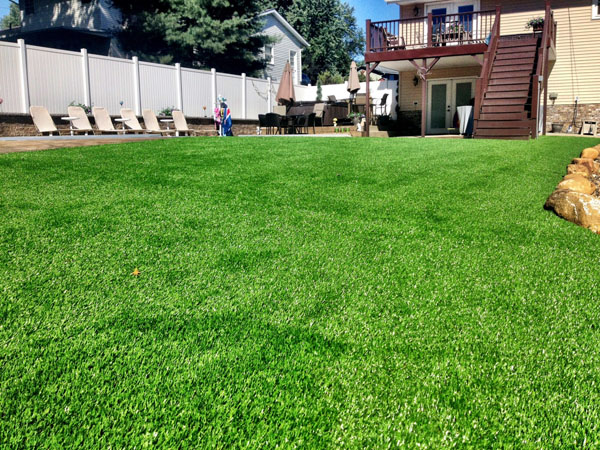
294,64
28,7
595,9
270,54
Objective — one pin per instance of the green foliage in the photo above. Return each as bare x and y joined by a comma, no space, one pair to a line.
87,109
202,33
12,19
319,91
300,293
167,111
328,77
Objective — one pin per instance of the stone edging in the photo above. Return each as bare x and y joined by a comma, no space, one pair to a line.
577,196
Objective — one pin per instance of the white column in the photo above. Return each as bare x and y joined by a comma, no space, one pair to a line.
269,101
244,96
24,77
213,90
85,66
299,66
136,86
179,87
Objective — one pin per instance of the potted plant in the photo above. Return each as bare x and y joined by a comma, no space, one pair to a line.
557,127
537,24
355,117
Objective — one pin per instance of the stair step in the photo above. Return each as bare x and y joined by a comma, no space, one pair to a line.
512,68
516,74
489,132
501,109
517,43
508,94
508,81
504,124
516,55
522,49
509,87
504,116
514,61
504,101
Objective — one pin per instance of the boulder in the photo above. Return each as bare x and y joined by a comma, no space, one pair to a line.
591,153
577,183
589,163
570,176
581,209
578,168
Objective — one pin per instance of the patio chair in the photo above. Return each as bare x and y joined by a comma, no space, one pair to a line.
319,111
82,123
310,122
280,109
393,42
262,122
299,124
42,120
332,99
131,121
152,125
103,121
382,106
273,123
181,124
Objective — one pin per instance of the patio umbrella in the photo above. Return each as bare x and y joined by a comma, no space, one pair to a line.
353,82
285,93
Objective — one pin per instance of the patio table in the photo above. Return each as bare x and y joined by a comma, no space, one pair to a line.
71,119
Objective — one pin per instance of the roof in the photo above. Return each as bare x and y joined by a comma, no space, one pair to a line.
286,24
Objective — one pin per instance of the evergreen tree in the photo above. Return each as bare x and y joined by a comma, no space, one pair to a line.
12,19
196,33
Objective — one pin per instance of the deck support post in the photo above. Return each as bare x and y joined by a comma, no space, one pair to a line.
423,71
370,69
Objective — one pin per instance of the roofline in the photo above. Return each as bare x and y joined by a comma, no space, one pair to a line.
286,24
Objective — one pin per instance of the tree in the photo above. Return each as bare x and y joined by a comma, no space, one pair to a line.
196,33
329,78
12,19
331,29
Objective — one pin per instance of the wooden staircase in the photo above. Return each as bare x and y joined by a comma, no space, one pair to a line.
506,105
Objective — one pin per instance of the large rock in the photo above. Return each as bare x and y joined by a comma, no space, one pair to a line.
591,153
578,168
582,209
577,183
588,162
570,176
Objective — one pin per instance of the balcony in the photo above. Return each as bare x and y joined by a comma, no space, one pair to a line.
431,36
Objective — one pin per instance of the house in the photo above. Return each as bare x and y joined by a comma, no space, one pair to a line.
455,53
287,45
68,25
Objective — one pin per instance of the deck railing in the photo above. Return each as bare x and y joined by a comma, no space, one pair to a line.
430,31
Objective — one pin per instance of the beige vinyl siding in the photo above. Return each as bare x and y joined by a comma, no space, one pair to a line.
409,93
577,68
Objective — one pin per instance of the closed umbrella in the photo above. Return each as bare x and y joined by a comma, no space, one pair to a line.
353,81
285,93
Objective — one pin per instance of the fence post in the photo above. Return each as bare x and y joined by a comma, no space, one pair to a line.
179,87
269,101
244,96
85,64
213,89
24,76
136,86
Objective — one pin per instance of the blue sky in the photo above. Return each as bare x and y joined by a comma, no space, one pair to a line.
4,5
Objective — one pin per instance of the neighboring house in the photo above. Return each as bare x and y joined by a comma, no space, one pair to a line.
287,45
454,53
68,25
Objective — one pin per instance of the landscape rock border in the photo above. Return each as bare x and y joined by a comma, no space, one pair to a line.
577,196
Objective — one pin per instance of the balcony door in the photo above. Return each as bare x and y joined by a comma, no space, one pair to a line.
443,97
466,20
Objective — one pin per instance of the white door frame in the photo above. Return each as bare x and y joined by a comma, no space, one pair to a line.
452,8
450,100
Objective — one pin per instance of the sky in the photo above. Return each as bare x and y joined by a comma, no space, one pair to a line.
365,9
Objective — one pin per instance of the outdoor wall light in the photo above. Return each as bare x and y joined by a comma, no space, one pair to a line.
553,96
416,11
416,80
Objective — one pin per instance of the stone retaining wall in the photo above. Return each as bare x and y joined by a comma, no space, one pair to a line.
13,125
564,114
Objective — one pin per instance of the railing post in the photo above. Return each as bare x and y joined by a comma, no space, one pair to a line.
244,96
24,76
498,15
85,69
368,36
136,86
429,30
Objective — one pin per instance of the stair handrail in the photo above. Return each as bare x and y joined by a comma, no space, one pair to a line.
541,72
481,85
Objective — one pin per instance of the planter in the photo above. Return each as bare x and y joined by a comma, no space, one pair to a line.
557,127
538,28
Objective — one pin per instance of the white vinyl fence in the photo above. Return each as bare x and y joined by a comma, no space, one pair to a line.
53,78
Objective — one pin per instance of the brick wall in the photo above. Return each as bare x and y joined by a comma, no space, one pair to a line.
564,114
12,125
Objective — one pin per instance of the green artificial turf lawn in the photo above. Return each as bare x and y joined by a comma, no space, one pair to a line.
296,292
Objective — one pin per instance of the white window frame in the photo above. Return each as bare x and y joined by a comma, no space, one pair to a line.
596,9
294,63
270,60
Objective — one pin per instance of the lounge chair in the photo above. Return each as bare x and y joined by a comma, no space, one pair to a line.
42,120
103,120
181,124
151,123
131,121
82,123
